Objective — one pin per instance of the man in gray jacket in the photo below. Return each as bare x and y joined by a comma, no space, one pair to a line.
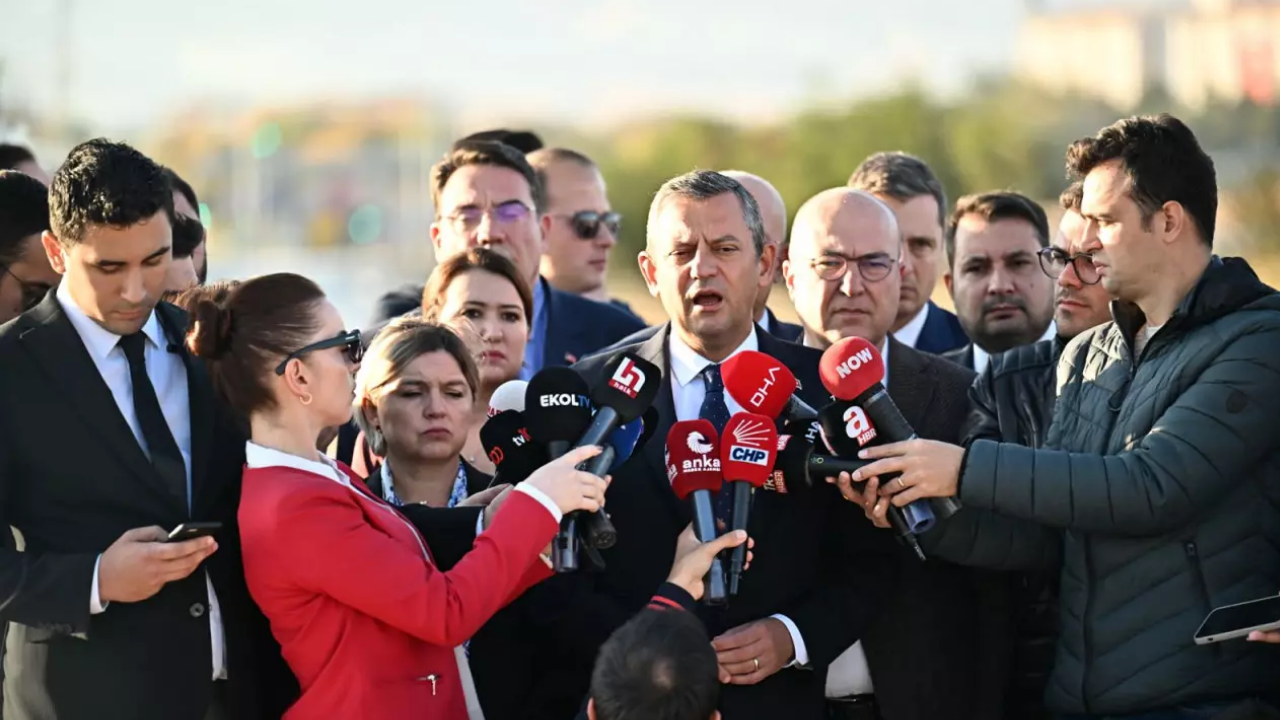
1158,489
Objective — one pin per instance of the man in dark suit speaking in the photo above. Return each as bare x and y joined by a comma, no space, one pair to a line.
110,437
819,573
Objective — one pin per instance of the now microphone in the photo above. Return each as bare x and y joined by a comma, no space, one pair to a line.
748,446
761,384
865,389
693,467
510,448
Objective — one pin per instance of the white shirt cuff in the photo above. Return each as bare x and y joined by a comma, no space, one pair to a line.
543,499
802,654
96,605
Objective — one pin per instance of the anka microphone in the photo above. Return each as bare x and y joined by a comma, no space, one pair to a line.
847,371
748,446
559,410
761,384
693,466
510,448
510,395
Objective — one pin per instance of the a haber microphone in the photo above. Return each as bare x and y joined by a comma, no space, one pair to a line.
761,384
871,395
748,446
510,448
510,395
693,467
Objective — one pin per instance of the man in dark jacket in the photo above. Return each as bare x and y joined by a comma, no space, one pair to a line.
1158,491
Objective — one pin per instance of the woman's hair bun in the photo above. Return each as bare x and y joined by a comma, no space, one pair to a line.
209,336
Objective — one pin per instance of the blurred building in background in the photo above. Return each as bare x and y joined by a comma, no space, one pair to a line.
1197,52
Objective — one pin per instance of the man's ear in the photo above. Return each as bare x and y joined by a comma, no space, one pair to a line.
649,271
53,251
946,279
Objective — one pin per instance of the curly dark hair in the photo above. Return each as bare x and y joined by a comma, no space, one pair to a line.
1164,163
24,211
106,183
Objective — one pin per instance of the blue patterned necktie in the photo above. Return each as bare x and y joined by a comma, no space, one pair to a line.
714,409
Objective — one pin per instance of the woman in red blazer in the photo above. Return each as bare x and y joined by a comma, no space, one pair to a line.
371,628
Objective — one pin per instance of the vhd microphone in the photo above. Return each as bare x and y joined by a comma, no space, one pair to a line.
761,384
510,447
693,467
850,370
748,446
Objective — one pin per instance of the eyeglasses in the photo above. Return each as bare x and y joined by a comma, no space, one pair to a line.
872,268
587,223
509,212
348,340
1053,261
32,293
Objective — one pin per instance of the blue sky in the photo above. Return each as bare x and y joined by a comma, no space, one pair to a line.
134,62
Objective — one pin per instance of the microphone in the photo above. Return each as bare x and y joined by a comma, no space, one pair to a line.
693,466
761,384
509,396
747,450
799,459
866,390
558,410
618,448
510,448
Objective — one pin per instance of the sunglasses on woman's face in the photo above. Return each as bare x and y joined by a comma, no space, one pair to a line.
348,340
586,224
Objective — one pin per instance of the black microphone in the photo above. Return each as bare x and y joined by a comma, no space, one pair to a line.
799,461
558,410
510,447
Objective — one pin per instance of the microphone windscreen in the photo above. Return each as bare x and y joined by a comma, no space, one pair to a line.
846,428
509,446
850,367
692,460
510,395
793,461
748,447
759,383
630,386
557,405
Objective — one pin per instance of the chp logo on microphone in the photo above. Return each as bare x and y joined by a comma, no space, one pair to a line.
749,443
628,378
858,426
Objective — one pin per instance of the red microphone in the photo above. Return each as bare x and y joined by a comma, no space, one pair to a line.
748,447
761,384
693,467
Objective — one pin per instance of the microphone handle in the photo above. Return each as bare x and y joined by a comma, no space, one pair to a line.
704,527
564,555
831,466
741,515
889,422
601,534
946,507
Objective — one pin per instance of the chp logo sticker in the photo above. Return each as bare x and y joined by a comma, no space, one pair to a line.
628,378
749,443
857,426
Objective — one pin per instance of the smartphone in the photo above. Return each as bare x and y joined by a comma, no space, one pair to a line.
193,530
1237,621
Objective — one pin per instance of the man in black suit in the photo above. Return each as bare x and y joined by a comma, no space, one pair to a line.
911,189
112,437
1004,300
928,655
819,574
486,193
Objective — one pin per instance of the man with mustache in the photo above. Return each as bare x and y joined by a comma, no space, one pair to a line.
843,274
1002,298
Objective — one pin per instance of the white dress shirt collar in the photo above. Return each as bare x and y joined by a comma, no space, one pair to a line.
981,358
98,340
909,334
260,456
686,363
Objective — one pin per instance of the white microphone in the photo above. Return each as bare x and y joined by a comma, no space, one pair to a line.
508,396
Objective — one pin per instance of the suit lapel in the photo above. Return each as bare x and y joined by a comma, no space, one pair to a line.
909,386
655,351
201,400
61,355
558,341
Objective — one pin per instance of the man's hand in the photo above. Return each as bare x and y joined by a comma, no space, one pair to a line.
137,565
875,507
750,653
928,469
490,499
693,559
1266,637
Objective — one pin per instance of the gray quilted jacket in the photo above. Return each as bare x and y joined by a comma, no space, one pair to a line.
1158,493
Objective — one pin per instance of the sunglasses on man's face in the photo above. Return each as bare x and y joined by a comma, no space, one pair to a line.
32,293
348,340
586,224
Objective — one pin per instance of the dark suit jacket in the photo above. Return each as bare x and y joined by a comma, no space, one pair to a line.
817,560
941,332
781,330
73,479
929,651
962,356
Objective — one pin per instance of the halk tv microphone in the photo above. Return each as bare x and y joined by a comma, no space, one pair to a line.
693,467
871,395
761,384
748,446
558,412
510,448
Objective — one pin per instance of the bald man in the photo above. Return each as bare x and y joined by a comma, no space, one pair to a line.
844,274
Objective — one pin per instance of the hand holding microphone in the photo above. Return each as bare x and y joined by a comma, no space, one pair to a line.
693,466
569,488
695,558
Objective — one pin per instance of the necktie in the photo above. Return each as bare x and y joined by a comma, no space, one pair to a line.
714,409
163,449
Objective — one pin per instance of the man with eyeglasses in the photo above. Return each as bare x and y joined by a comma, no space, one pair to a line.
844,273
25,273
1002,298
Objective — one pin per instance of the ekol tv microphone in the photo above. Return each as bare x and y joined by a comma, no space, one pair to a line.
559,411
